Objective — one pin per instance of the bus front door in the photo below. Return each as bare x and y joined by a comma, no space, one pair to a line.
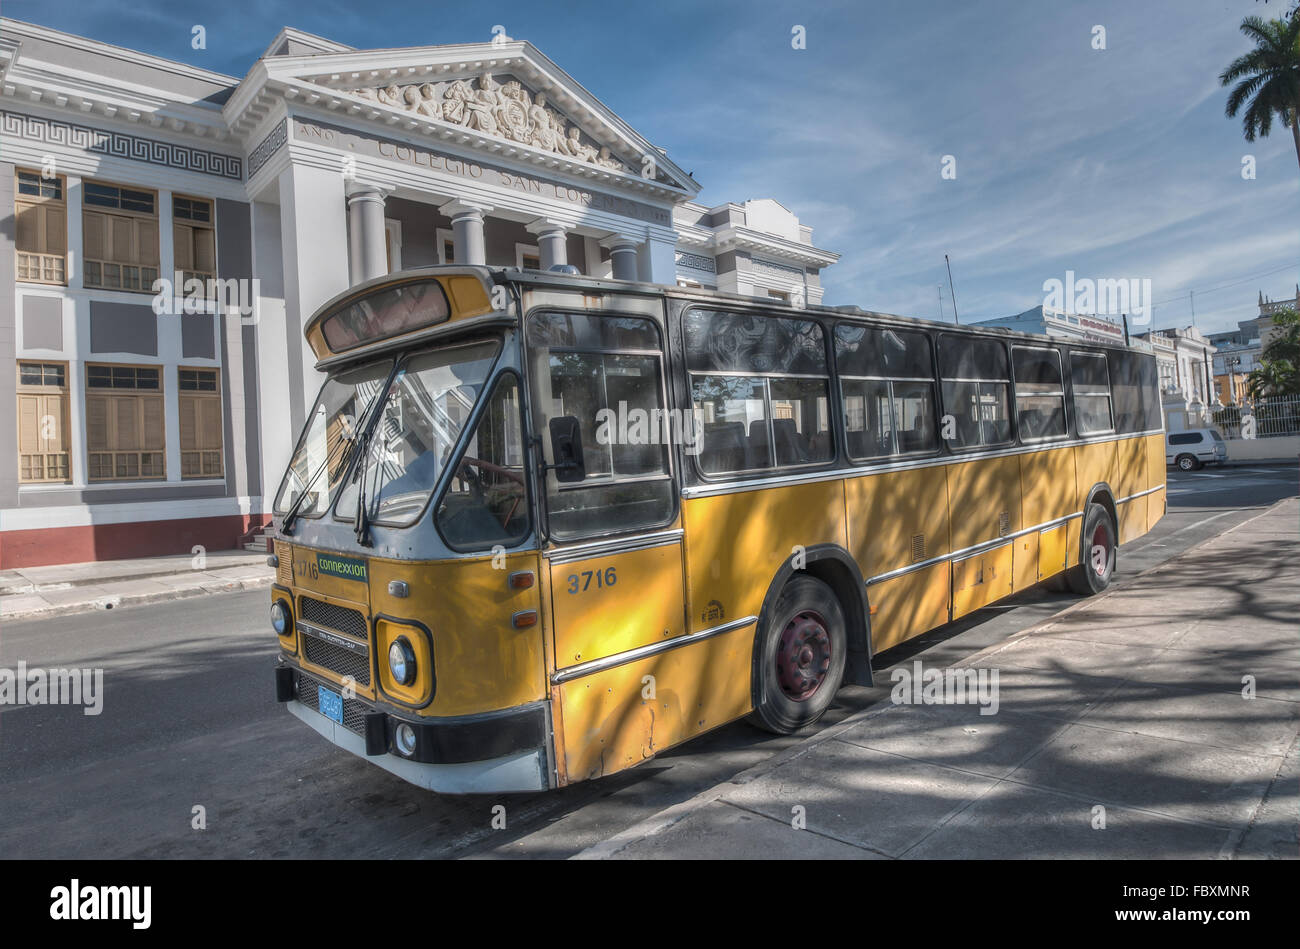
615,610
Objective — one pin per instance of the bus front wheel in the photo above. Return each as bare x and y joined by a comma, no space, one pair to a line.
1097,561
800,657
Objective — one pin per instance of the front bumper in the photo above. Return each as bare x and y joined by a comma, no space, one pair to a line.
493,752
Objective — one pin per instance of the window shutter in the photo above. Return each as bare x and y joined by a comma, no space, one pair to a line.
205,252
146,242
29,424
184,243
120,244
153,422
97,422
29,228
56,231
52,439
210,427
189,422
125,409
94,224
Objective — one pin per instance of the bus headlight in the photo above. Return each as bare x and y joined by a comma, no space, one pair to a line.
401,661
280,619
404,739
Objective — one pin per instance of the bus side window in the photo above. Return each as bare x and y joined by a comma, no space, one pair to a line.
761,387
1090,382
887,381
1040,392
1136,401
976,385
606,371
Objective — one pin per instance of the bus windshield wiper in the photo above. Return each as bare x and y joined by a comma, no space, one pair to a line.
342,452
291,515
361,525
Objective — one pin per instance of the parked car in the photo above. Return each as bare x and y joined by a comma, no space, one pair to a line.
1200,446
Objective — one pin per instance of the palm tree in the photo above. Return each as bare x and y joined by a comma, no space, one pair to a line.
1273,378
1269,77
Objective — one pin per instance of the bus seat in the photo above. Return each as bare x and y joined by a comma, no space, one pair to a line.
791,444
723,447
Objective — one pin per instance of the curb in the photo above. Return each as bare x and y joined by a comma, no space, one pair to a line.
112,601
663,820
28,587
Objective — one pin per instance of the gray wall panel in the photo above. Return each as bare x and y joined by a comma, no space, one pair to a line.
197,338
420,223
131,495
123,328
240,436
42,323
500,237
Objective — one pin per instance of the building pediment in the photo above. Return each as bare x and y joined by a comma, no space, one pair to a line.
505,98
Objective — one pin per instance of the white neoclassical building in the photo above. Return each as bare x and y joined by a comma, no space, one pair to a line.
142,428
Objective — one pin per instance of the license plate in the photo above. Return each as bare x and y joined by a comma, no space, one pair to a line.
330,704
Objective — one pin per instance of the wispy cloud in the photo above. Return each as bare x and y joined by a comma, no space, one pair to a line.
1115,162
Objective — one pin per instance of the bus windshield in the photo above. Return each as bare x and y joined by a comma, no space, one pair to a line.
423,414
344,402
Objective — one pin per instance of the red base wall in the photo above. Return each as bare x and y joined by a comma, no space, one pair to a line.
51,545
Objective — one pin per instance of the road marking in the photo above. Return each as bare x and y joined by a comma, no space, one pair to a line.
1206,520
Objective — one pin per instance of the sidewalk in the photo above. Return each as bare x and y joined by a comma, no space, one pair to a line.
37,592
1132,702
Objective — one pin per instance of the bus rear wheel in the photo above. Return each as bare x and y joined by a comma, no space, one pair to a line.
1097,560
800,656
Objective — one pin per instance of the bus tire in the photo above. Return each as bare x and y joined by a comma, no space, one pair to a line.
1187,462
1098,544
800,657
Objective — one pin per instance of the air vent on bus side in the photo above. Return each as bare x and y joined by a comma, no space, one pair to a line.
918,548
284,564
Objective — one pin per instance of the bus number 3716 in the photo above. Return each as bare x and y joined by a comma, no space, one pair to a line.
581,582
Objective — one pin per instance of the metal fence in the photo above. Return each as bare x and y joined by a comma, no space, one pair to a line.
1264,418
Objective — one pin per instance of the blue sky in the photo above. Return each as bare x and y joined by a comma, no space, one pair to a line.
1114,163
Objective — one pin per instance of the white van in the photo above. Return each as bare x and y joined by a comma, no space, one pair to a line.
1200,446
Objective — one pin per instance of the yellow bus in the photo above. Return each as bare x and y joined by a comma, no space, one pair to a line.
540,527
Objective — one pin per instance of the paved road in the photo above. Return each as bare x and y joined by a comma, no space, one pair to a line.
189,721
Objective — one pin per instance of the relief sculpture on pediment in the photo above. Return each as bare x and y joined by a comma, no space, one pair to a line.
505,110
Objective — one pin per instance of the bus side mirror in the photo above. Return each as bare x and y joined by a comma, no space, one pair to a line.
566,448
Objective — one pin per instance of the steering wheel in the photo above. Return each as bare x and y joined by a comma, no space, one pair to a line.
472,478
476,481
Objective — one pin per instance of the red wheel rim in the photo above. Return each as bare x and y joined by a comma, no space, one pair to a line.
1101,549
803,656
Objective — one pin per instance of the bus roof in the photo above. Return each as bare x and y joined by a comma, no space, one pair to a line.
468,292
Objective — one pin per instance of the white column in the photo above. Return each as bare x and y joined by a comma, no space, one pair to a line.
366,238
467,230
622,256
76,238
551,236
657,259
313,238
275,422
77,343
166,238
356,249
